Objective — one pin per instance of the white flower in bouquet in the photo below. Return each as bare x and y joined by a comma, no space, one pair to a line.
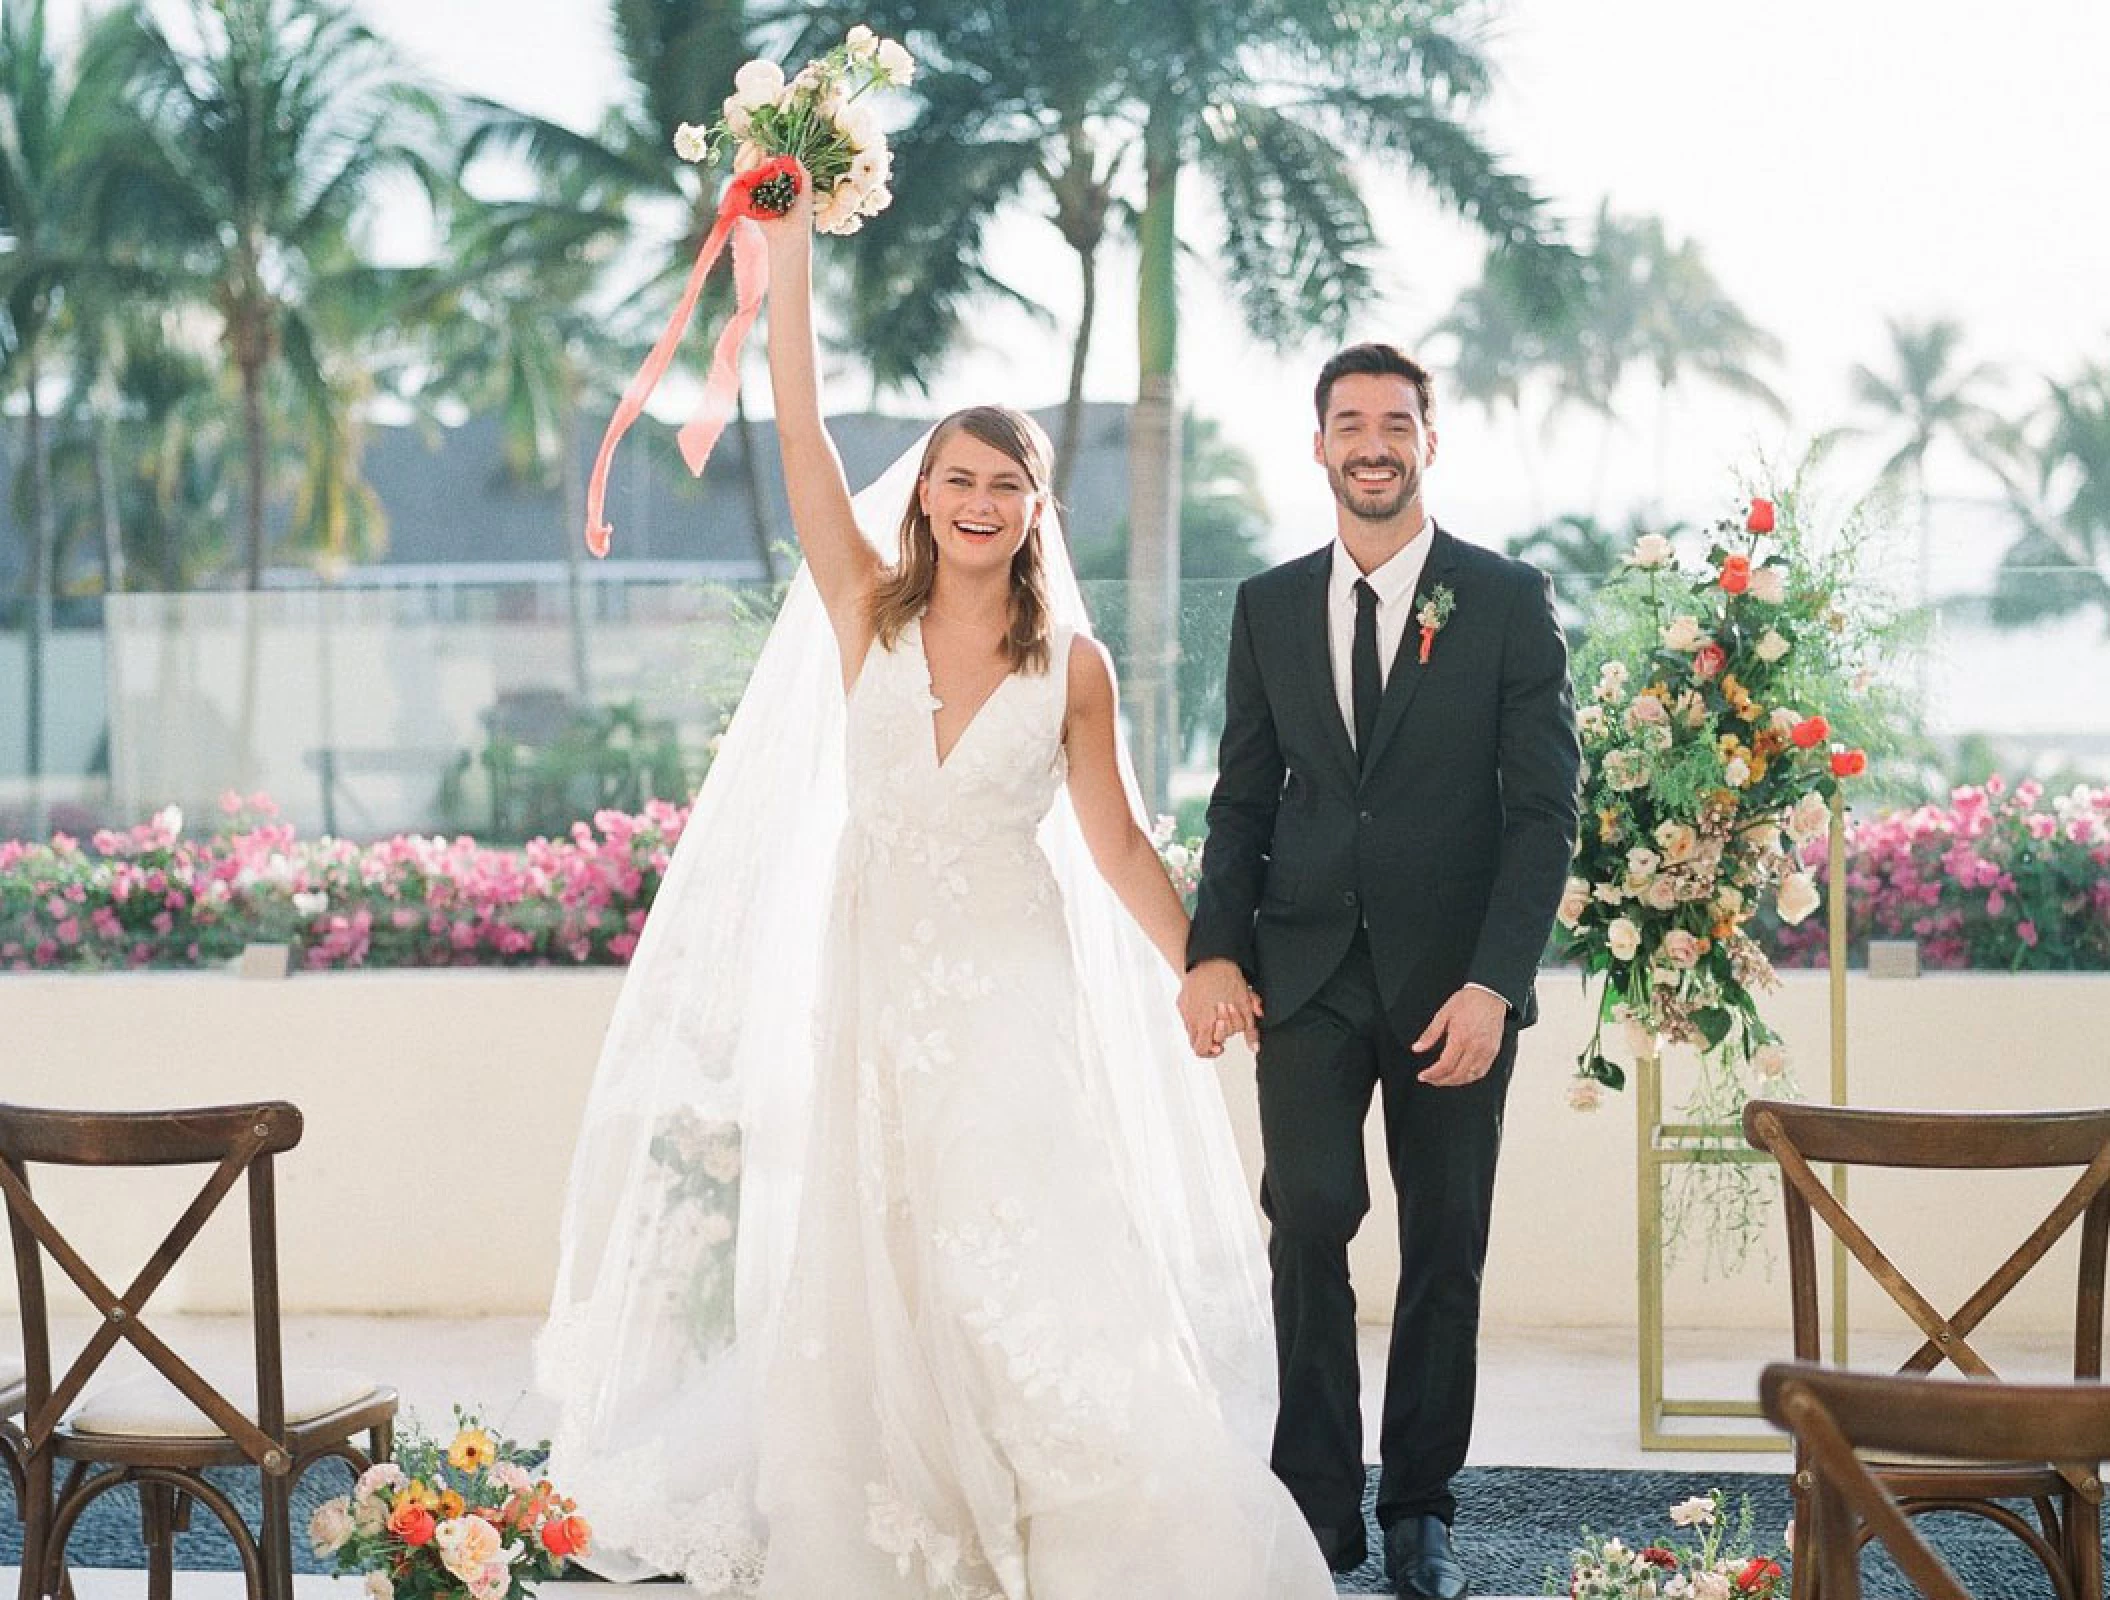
1585,1094
1809,817
1683,633
693,143
758,84
1592,723
378,1587
1652,550
1771,647
1769,585
1683,948
1660,895
1678,841
1736,772
1699,1511
1611,682
861,42
1575,900
1797,898
1641,864
895,62
1609,893
1690,709
1622,938
467,1545
1770,1061
1626,769
331,1526
1648,710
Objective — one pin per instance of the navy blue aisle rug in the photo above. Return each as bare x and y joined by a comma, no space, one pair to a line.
1516,1527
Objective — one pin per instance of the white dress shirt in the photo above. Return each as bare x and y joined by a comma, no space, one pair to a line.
1394,583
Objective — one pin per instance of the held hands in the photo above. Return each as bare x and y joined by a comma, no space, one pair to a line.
1469,1026
1215,1003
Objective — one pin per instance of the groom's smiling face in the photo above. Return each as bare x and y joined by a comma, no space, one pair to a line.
1375,445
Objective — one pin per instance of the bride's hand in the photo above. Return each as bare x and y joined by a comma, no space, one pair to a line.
794,229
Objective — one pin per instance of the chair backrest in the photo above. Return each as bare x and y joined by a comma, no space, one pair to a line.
237,1143
1834,1414
1805,1138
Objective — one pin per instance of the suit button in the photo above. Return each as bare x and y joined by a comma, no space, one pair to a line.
1365,816
1348,898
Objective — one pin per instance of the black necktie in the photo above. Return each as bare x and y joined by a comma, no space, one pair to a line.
1363,668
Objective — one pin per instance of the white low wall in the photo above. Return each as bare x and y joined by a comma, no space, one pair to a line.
440,1108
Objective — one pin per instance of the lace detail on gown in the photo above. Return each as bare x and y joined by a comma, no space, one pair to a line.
980,1384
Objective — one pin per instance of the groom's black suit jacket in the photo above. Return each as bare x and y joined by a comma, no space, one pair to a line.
1451,841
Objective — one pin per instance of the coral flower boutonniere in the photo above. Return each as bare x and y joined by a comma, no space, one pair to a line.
1434,613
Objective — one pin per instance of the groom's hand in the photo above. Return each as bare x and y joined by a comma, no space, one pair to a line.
1469,1027
1216,1002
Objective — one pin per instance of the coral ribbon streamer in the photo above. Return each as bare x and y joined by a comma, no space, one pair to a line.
721,388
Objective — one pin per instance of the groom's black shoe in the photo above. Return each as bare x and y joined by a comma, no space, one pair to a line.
1345,1549
1423,1561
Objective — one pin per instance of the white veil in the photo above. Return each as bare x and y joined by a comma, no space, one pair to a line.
685,1184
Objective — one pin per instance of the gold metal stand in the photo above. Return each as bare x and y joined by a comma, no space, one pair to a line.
1659,1145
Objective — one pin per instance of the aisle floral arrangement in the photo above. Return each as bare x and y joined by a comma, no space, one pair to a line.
470,1518
1710,704
1714,1561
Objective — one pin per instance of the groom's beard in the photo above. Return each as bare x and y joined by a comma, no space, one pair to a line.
1373,505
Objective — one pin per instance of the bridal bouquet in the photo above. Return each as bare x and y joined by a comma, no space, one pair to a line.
817,119
1721,1565
815,129
470,1517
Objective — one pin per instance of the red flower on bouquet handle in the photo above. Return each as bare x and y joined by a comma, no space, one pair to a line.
769,190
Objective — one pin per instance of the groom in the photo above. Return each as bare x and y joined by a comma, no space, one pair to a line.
1394,813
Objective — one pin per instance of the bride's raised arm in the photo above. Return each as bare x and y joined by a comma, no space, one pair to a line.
845,567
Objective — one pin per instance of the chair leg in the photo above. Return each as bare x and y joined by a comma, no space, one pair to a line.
157,1530
277,1539
36,1523
2084,1539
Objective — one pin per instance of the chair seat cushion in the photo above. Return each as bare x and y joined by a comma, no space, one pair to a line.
150,1407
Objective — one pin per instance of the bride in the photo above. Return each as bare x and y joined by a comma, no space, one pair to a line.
914,1258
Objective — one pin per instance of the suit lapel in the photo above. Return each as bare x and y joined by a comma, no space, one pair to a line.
1404,679
1315,657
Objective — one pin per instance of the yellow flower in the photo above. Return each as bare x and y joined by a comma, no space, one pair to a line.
416,1494
1608,824
472,1450
451,1505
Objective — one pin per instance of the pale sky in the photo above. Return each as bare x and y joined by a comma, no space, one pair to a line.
1839,161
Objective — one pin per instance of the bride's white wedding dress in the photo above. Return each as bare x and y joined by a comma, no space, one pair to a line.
912,1258
982,1384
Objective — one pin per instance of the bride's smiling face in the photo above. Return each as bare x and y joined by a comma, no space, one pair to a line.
981,504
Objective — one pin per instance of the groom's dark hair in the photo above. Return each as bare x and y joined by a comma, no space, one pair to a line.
1379,360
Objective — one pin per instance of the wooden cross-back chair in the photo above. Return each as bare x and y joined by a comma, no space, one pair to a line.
161,1430
1807,1140
1835,1415
12,1399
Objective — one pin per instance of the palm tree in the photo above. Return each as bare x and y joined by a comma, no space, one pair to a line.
628,189
1925,399
2069,540
57,133
515,332
263,145
1272,104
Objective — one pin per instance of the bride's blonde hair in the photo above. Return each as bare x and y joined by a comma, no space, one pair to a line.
904,593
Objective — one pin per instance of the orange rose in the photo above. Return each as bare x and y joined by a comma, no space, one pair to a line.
413,1524
1736,574
564,1537
1758,1573
1810,732
1761,518
1849,763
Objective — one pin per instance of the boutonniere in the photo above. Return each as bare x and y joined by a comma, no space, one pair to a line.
1434,613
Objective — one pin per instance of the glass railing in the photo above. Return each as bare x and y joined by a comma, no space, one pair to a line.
491,708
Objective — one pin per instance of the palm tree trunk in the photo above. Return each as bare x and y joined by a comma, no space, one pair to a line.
572,492
757,498
43,544
1154,474
1080,351
106,499
253,444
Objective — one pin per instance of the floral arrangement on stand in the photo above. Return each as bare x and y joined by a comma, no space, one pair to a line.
1722,1564
468,1518
2000,879
1712,698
